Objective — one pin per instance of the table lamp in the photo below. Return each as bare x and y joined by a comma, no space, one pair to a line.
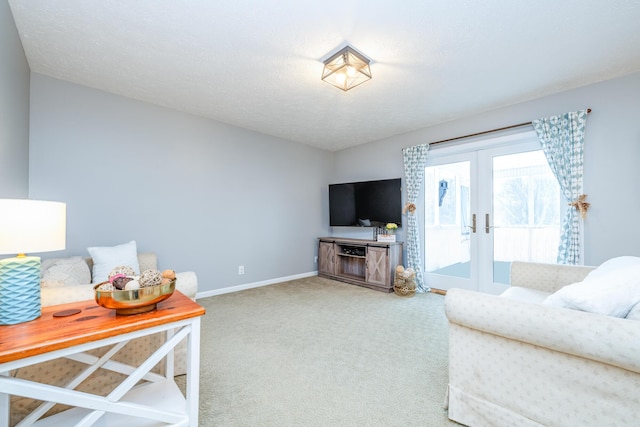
26,226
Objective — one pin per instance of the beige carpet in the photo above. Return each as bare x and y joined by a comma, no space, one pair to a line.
316,352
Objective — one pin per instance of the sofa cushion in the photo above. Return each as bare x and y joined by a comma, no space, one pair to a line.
525,294
71,271
611,289
106,258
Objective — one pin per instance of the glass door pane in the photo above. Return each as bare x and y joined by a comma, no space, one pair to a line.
447,224
526,211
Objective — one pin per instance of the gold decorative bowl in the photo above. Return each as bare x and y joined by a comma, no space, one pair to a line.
134,301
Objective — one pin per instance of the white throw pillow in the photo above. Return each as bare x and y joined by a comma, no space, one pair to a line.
65,272
612,291
106,259
614,264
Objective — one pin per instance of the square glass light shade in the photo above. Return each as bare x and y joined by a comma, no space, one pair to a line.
346,69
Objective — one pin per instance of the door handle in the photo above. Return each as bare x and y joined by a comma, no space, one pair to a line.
487,227
473,223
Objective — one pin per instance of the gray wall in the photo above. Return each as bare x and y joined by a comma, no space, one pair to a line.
612,155
209,197
204,196
14,110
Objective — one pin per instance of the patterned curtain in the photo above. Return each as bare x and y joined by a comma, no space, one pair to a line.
414,162
562,139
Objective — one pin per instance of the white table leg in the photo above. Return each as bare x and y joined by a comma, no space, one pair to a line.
169,360
4,405
193,373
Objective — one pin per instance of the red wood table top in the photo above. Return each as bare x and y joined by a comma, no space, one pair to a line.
48,333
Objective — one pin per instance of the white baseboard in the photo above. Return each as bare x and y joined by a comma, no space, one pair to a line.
237,288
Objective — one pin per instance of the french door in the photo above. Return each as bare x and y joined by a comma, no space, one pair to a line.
486,207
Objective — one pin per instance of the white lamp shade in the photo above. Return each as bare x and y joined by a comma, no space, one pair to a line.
28,226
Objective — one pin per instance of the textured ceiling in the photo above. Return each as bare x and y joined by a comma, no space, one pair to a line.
257,64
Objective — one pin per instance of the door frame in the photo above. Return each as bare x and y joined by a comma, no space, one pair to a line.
476,151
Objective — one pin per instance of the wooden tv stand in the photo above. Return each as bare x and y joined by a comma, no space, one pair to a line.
360,262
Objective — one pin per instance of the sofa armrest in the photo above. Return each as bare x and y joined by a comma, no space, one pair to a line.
609,340
187,283
546,277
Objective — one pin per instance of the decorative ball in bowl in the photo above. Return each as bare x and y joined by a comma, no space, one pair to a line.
134,301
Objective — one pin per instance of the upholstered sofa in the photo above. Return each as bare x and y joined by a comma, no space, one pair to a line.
519,359
68,280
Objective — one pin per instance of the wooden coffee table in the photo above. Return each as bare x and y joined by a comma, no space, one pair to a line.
156,401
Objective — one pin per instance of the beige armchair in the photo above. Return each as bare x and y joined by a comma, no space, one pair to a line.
514,361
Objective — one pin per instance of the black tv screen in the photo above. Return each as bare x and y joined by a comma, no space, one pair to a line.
366,203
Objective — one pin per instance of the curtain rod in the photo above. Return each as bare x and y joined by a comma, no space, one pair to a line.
488,131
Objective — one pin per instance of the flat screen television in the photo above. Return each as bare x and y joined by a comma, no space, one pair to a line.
366,203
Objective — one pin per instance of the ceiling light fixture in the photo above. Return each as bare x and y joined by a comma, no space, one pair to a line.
346,69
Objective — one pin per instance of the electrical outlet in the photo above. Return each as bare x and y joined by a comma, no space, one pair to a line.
315,259
241,269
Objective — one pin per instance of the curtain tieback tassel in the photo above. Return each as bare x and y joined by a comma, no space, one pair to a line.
410,207
581,205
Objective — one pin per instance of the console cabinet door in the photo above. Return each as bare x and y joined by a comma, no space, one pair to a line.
377,266
326,258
